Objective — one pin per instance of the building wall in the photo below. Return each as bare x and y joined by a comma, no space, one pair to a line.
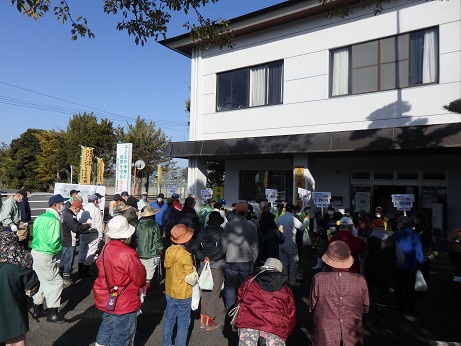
304,46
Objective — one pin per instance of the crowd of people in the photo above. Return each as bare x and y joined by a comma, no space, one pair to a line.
255,260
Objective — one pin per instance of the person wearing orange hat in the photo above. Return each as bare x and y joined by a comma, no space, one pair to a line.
181,275
340,296
69,225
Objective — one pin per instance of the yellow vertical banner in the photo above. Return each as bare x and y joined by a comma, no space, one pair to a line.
100,180
86,159
159,175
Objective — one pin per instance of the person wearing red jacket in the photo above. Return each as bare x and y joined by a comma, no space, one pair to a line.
267,307
116,290
356,244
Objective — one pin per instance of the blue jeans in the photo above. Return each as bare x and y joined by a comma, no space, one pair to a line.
235,274
67,259
176,309
117,330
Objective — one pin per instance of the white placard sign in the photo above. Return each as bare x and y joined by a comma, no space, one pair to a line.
403,201
206,194
171,189
322,199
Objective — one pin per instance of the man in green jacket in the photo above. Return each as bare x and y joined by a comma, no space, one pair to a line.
46,245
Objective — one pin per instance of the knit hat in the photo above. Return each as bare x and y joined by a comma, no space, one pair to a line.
77,204
241,207
181,234
338,255
215,219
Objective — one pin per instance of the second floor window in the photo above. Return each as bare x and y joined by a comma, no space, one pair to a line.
389,63
259,85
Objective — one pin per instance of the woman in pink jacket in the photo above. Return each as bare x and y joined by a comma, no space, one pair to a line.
116,290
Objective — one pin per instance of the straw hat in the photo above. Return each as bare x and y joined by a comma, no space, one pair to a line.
181,234
338,255
119,228
149,211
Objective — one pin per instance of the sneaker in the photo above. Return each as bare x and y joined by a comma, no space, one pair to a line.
203,319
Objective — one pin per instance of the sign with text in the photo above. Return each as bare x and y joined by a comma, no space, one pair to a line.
86,160
322,199
171,189
403,201
123,167
206,194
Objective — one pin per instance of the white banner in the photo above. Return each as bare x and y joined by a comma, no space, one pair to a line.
85,191
123,168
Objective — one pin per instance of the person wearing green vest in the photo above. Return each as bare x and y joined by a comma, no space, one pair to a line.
203,213
46,245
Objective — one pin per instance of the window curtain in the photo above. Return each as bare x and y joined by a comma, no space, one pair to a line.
430,57
257,86
275,84
340,75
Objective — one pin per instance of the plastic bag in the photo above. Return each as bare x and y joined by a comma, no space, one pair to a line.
196,294
306,238
205,281
420,284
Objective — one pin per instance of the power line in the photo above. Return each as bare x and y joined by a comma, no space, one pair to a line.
66,110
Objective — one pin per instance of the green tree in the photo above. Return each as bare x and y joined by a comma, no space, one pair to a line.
149,144
21,162
142,19
216,173
51,159
87,131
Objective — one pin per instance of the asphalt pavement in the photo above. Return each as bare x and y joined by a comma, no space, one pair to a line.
437,319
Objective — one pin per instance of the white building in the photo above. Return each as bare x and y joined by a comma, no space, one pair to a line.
355,102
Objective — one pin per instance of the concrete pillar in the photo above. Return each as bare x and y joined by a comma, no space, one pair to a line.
196,177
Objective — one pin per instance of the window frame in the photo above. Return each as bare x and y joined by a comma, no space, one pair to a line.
267,84
381,62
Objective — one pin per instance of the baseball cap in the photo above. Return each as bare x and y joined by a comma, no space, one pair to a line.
56,199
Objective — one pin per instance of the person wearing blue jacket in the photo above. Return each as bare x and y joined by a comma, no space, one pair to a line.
405,277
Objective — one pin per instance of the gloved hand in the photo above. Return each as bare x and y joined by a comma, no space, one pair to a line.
25,224
14,228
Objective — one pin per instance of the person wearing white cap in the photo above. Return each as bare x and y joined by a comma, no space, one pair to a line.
357,245
267,307
116,289
338,299
89,239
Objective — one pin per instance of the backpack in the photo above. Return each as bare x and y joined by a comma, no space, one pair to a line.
209,244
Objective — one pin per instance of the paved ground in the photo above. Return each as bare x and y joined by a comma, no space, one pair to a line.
437,319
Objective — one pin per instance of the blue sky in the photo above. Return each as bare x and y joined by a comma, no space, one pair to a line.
43,69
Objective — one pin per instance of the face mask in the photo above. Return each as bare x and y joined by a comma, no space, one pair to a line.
144,197
348,214
378,215
298,213
62,207
159,199
332,229
330,213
